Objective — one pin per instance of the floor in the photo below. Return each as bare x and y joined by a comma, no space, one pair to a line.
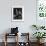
13,44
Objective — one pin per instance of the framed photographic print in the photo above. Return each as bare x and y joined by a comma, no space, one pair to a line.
41,9
17,13
41,12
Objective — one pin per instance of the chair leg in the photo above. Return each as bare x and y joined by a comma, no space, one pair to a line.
5,43
5,40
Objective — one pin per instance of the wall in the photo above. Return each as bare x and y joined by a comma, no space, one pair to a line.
29,15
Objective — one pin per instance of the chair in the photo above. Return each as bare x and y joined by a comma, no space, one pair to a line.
26,41
7,35
14,32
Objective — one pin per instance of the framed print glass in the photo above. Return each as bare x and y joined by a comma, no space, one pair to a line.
41,12
17,13
41,8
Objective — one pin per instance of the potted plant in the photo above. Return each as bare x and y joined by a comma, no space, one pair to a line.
39,35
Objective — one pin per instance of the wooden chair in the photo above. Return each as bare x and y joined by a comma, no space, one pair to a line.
27,43
7,34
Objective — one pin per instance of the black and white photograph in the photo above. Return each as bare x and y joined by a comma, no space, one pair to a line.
17,14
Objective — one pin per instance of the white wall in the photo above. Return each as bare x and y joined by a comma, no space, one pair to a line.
29,15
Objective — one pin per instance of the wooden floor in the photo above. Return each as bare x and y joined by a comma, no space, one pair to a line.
13,44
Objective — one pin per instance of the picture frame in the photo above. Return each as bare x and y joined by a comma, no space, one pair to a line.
41,9
40,12
17,13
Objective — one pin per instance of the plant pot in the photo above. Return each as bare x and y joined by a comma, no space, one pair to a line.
40,40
